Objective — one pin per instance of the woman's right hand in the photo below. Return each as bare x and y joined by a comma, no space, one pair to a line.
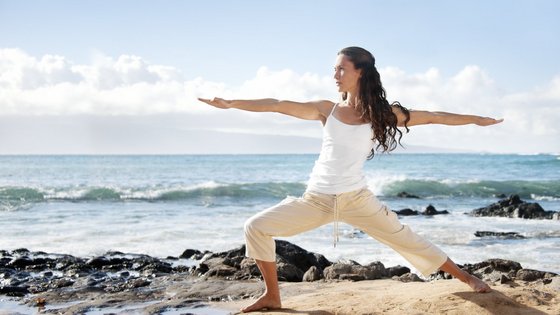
216,102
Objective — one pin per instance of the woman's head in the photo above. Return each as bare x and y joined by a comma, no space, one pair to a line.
359,77
352,64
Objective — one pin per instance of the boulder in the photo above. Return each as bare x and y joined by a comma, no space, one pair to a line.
408,277
529,275
343,270
406,212
188,253
287,271
431,210
299,257
313,274
397,271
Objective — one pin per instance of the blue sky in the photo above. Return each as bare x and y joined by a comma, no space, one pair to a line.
512,48
515,41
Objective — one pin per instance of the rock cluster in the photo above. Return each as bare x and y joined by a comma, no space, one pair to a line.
292,262
430,210
500,235
501,270
23,272
514,207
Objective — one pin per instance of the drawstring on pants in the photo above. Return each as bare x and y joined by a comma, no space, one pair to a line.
335,226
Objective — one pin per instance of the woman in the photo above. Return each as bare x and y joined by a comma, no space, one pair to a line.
360,124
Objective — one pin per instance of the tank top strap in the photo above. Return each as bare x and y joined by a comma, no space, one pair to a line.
332,110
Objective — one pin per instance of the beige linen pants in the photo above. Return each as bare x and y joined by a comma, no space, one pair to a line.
359,208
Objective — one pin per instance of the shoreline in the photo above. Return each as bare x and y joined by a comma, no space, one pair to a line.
221,283
323,297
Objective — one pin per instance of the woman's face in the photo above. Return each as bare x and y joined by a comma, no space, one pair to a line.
346,76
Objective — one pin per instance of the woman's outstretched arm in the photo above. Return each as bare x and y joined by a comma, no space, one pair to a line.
308,110
419,117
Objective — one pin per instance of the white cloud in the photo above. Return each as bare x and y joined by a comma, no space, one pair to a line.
130,85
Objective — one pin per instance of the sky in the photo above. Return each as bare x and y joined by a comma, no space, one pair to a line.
122,77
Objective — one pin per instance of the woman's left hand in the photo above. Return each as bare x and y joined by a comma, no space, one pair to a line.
487,121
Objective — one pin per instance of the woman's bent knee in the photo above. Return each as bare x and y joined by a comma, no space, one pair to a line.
253,226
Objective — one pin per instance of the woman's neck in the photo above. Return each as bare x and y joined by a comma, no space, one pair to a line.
351,100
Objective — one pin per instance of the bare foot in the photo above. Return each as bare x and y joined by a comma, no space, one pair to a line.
477,285
267,301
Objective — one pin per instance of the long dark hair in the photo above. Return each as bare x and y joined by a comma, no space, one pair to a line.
372,103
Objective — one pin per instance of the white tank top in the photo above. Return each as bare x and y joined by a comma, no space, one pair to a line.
345,148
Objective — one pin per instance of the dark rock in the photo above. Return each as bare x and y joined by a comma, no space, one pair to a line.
529,275
397,271
351,277
504,279
189,253
61,283
233,261
375,270
98,262
502,265
292,261
137,283
337,269
79,269
20,251
65,262
502,235
119,262
157,267
406,212
20,262
14,291
201,269
488,270
221,271
408,277
288,272
431,210
236,252
313,274
299,257
141,262
4,261
502,196
248,269
404,194
514,207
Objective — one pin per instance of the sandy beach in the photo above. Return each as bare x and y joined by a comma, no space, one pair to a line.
183,295
394,297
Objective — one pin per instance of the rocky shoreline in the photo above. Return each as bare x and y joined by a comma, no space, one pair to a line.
58,283
116,281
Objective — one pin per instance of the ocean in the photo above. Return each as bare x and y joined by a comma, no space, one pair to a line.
161,205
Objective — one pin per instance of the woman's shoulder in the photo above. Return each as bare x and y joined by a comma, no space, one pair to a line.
325,107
